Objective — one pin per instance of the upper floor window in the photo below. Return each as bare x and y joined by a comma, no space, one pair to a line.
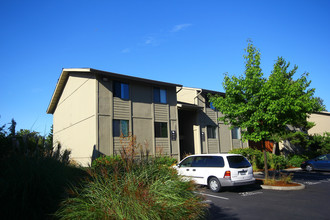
161,129
211,132
120,127
121,90
211,105
236,133
160,95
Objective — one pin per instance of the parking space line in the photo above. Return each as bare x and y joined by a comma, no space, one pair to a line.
218,197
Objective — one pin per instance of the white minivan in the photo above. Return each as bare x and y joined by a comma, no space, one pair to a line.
217,170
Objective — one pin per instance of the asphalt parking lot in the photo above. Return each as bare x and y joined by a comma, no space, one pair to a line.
253,202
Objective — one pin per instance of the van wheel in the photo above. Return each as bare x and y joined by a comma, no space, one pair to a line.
214,184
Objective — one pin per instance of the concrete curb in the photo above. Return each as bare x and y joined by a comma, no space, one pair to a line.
288,169
293,169
300,187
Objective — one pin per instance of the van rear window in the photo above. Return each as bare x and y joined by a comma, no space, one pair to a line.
238,162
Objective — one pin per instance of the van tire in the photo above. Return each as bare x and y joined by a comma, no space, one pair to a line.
214,184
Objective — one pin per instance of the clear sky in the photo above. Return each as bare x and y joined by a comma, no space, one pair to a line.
188,42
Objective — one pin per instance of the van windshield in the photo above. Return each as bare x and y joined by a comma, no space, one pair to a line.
238,162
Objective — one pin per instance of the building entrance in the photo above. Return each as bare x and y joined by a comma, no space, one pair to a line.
189,131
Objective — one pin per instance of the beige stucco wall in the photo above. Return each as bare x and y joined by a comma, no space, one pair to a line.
322,123
74,117
187,95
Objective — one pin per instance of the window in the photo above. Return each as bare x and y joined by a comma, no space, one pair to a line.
160,95
161,129
212,106
199,162
211,132
215,161
203,161
187,162
235,133
120,127
121,90
238,162
209,104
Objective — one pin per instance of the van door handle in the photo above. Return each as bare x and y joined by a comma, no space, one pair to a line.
187,169
194,169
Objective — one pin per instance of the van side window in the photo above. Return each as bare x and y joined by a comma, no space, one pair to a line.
200,162
187,162
215,161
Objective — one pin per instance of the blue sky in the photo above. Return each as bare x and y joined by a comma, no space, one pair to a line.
187,42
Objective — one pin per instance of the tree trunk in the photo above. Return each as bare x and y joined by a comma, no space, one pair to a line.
265,158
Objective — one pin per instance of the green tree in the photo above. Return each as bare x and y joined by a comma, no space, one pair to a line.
264,107
49,138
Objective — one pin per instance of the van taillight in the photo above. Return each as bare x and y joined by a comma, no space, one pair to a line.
227,175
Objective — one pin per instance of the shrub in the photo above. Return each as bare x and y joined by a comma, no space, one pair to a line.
296,160
33,175
110,163
149,191
131,186
318,145
277,162
33,187
256,158
165,160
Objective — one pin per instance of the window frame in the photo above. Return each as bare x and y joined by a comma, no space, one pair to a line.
187,162
211,130
120,133
236,133
160,129
121,90
159,96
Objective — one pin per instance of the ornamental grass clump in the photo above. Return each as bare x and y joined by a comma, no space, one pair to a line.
133,188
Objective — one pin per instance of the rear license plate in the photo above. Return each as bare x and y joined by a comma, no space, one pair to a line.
242,173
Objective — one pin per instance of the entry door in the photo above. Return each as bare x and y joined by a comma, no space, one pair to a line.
197,139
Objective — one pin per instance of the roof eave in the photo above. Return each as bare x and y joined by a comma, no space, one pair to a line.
60,85
65,74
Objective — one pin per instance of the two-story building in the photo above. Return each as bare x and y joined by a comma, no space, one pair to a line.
92,109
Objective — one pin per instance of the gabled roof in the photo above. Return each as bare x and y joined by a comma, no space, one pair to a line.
205,91
65,74
322,113
213,92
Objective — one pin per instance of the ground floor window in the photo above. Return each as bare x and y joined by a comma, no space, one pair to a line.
236,133
161,129
120,127
211,132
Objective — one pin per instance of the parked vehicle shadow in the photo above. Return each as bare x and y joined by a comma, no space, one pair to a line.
237,189
246,188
